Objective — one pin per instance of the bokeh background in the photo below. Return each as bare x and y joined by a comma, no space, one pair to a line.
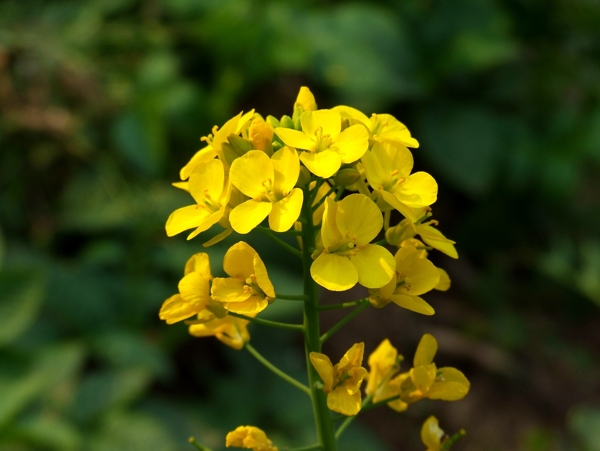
102,101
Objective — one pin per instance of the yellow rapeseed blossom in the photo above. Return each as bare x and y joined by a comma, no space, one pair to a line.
209,188
305,100
384,364
414,275
248,290
342,381
249,437
431,434
388,169
230,330
407,229
194,293
382,127
346,256
324,143
215,143
427,381
269,183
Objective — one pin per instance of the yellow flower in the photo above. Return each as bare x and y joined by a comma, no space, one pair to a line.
326,145
382,127
444,283
248,290
347,257
415,275
215,143
407,229
431,434
194,293
249,437
384,364
388,169
230,330
269,182
260,134
305,100
209,189
342,381
427,381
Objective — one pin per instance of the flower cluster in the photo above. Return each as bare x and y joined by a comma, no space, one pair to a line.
288,178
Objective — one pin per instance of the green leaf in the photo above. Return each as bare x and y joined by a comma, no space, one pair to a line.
584,421
48,432
22,293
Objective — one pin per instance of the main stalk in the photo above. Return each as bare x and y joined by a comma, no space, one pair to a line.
325,430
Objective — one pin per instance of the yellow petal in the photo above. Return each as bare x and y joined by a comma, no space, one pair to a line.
375,266
229,290
420,189
199,263
394,201
202,156
285,212
450,385
248,215
423,376
330,235
352,143
206,182
413,303
207,223
249,171
437,240
177,309
218,238
421,277
323,164
186,218
287,169
399,156
295,138
194,289
306,99
352,113
353,357
318,213
182,186
339,400
374,170
327,122
249,437
444,283
431,434
262,277
358,219
251,306
425,350
334,272
238,261
323,366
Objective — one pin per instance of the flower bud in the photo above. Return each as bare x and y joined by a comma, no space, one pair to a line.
273,121
303,178
346,176
239,144
397,234
286,122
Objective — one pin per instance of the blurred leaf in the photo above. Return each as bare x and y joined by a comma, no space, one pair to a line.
584,422
22,293
122,431
106,390
45,432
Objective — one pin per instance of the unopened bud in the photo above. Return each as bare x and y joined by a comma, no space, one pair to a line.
303,177
397,234
239,144
347,176
273,121
286,122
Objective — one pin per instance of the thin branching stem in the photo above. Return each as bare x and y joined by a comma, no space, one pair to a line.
280,242
343,322
343,305
286,377
266,322
349,420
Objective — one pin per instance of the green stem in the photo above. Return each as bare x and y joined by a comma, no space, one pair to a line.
276,370
448,443
320,202
312,339
280,242
343,305
338,195
381,242
266,322
197,445
349,420
312,194
342,323
291,297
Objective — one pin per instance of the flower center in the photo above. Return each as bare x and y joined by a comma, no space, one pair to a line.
323,140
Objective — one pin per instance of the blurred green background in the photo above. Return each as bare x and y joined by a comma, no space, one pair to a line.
102,101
